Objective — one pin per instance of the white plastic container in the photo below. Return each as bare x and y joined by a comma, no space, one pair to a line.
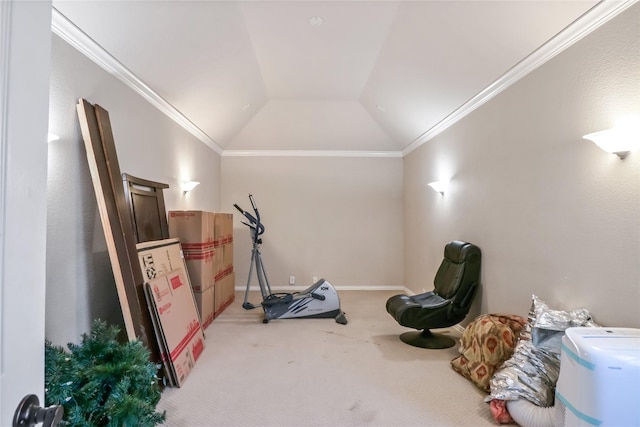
599,383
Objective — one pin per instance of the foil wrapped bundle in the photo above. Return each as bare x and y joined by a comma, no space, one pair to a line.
532,371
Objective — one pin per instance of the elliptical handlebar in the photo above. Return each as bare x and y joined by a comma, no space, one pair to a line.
254,221
253,205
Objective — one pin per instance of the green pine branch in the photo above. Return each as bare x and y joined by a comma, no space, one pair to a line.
101,382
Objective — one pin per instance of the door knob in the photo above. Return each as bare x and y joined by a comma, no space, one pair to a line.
29,413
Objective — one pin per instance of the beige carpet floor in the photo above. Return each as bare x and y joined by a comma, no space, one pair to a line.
315,372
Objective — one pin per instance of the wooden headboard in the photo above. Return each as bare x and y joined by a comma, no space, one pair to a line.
146,204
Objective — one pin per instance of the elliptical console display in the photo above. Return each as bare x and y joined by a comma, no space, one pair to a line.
320,300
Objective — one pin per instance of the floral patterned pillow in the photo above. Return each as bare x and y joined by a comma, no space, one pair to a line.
487,342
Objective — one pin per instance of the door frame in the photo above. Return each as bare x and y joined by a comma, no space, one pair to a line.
25,66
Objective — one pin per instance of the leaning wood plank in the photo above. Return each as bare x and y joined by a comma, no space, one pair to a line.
116,222
106,205
130,263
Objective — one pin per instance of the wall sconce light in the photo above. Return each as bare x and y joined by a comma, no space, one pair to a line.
623,138
439,186
189,185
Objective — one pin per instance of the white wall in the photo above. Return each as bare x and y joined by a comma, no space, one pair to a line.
80,284
553,214
334,217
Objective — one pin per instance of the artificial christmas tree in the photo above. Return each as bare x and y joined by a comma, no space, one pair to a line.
102,382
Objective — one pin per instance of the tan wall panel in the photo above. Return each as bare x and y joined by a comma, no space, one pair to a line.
334,218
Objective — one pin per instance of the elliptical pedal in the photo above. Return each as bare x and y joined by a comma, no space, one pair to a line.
273,299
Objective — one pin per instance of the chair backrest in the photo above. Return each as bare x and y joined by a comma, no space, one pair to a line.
459,272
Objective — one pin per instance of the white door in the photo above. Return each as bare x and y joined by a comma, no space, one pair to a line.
25,49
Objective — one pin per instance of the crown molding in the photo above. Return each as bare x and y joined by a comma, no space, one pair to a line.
69,32
309,153
584,25
590,21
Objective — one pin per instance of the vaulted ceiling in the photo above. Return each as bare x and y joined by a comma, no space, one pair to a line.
319,75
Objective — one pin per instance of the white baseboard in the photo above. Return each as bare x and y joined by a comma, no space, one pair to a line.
458,328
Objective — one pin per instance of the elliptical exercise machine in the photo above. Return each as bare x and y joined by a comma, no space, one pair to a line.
320,300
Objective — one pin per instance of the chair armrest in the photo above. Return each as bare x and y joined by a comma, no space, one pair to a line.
467,298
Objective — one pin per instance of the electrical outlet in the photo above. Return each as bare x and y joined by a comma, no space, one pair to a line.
292,280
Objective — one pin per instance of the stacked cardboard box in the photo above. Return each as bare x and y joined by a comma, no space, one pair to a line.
196,231
207,244
225,276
